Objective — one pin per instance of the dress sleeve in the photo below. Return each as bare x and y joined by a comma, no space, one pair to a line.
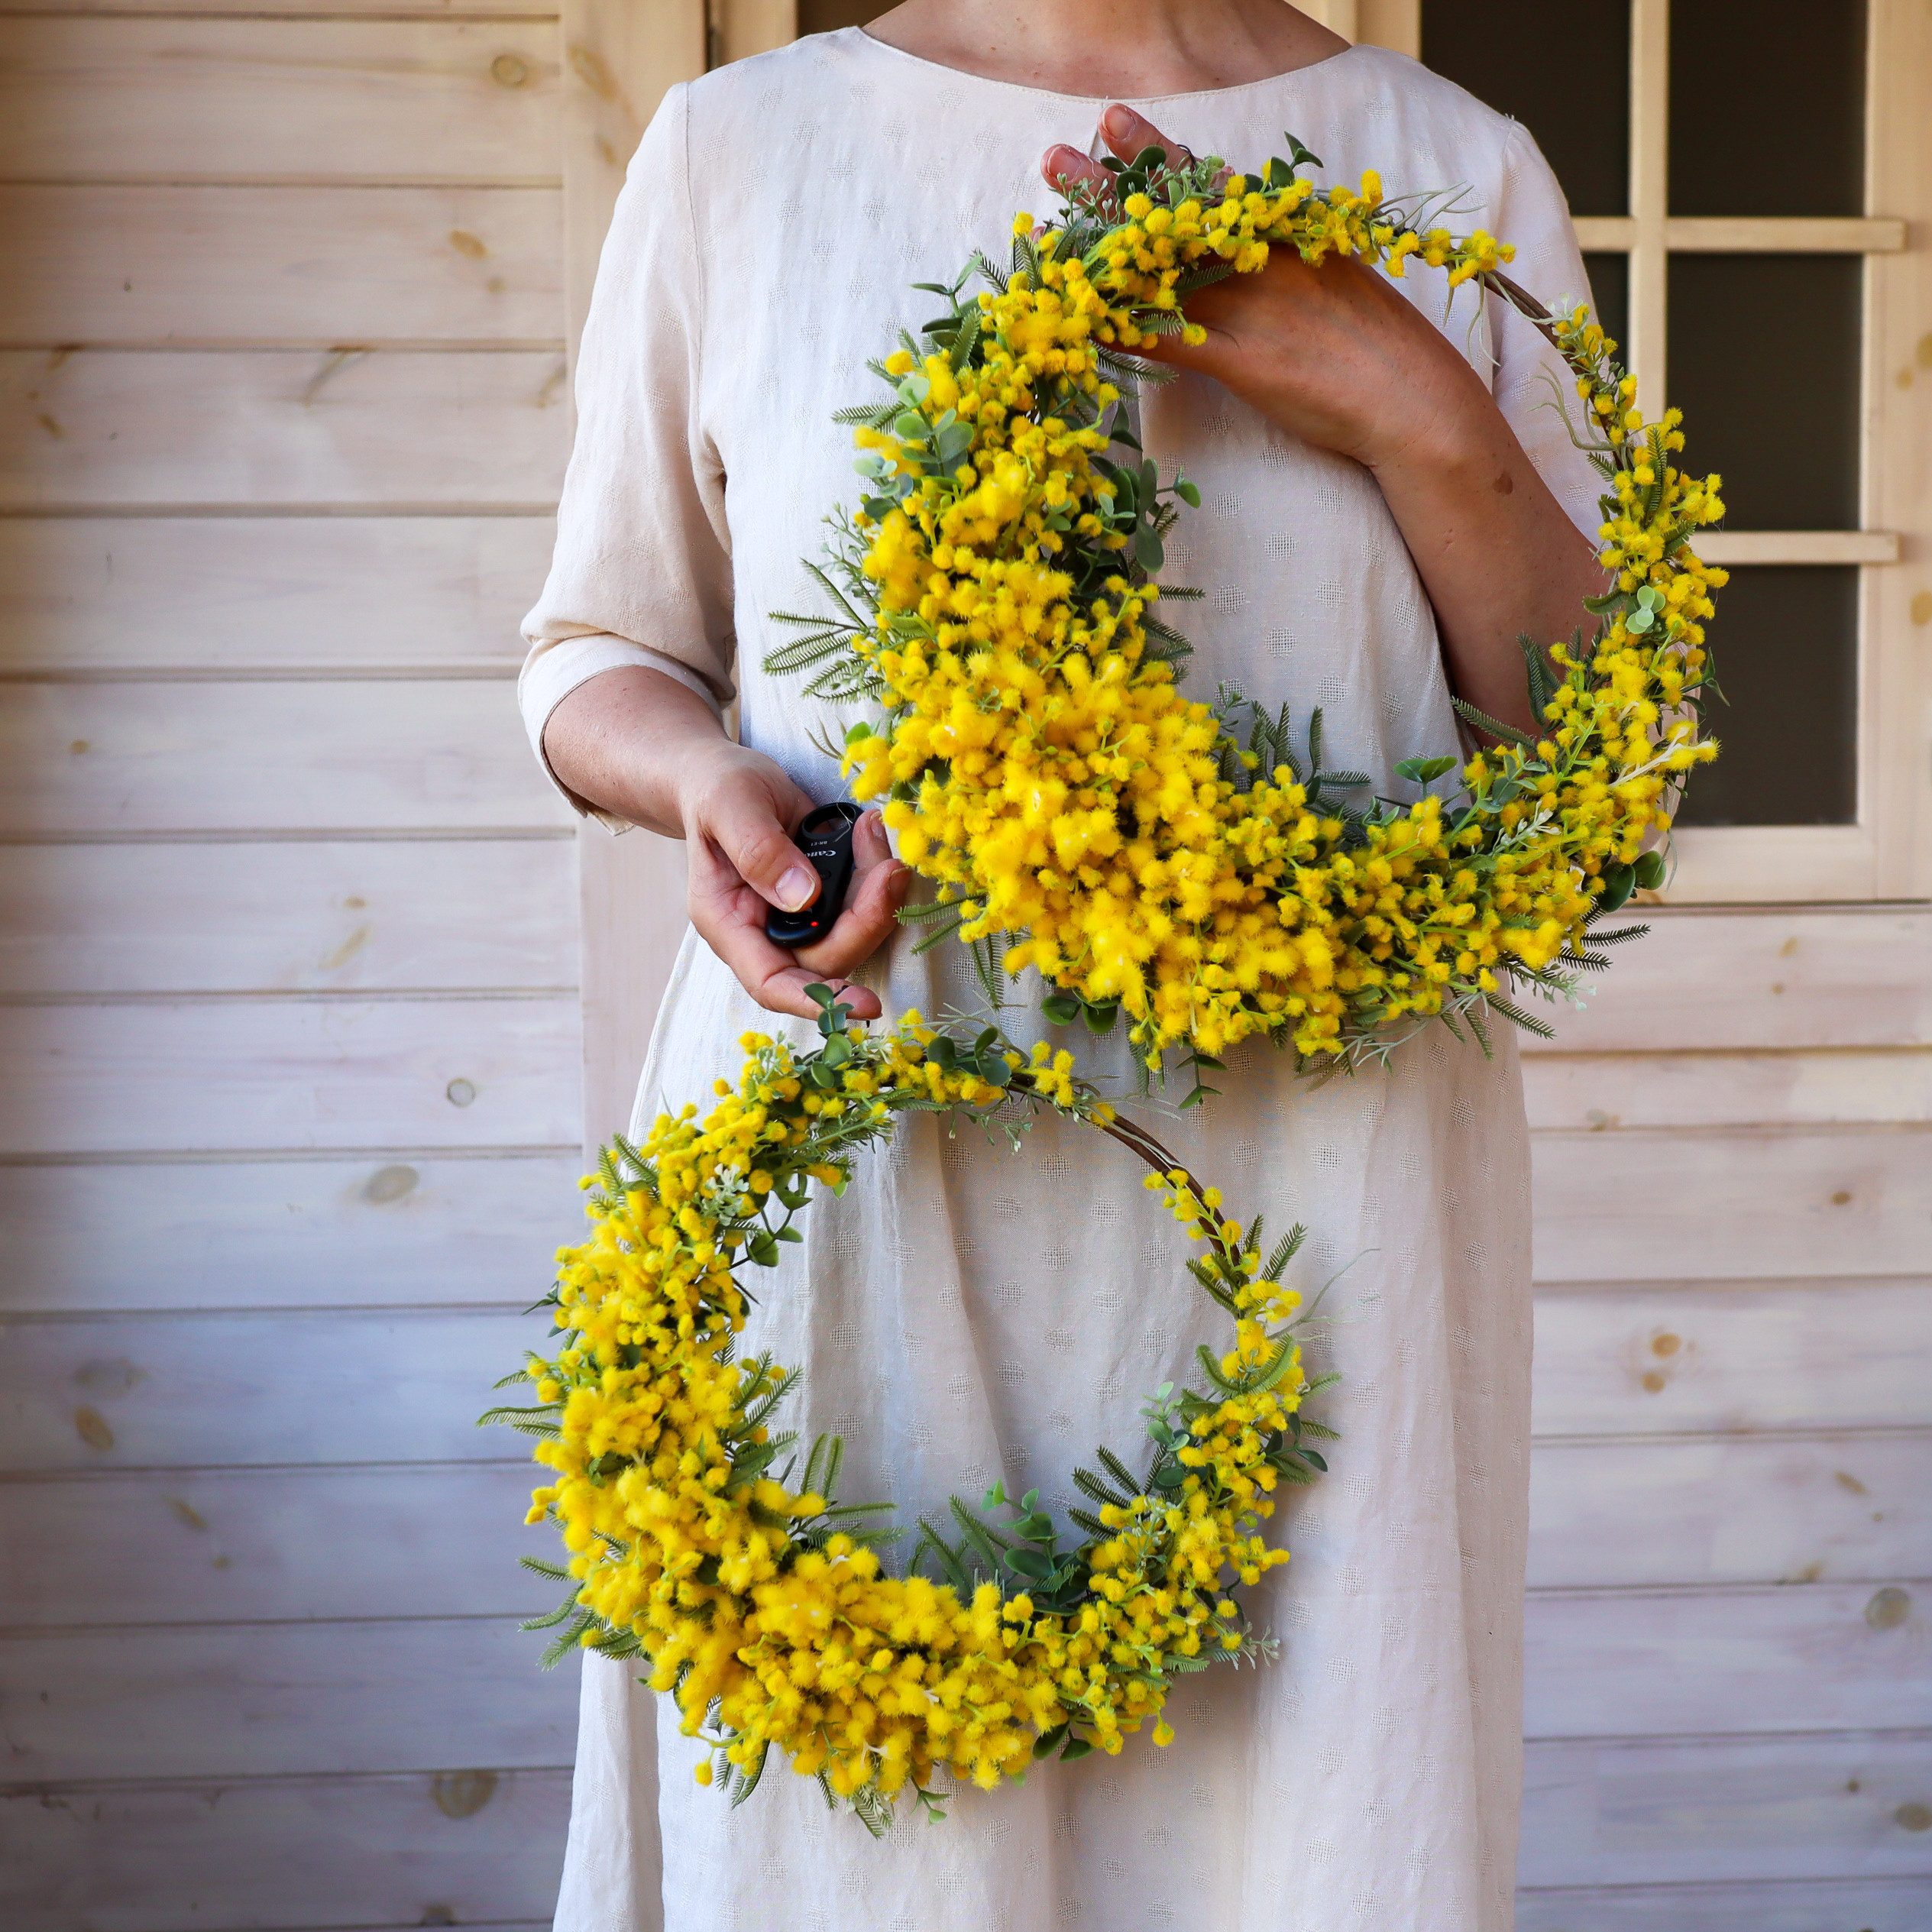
641,572
1534,388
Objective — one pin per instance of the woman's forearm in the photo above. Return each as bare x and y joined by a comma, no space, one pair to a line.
626,741
1498,554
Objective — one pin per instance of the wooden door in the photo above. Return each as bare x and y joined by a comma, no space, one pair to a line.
290,1094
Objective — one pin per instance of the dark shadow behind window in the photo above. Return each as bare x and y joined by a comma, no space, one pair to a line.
1609,289
1767,114
1764,363
1562,70
1787,659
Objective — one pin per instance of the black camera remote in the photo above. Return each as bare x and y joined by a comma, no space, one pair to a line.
824,835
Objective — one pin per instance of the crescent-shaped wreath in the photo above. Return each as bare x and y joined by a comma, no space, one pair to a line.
1175,862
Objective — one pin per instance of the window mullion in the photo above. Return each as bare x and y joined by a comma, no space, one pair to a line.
1650,52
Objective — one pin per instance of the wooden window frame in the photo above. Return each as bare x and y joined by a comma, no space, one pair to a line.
1886,853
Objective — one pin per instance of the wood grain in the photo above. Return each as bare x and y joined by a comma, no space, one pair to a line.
207,1388
205,1391
372,1230
308,1075
1823,1355
344,425
364,914
198,1546
1761,1204
1706,980
288,1854
1798,1905
320,756
270,9
1606,1092
284,1700
1895,679
1724,1809
93,594
1632,1663
189,98
1730,1509
442,1540
166,264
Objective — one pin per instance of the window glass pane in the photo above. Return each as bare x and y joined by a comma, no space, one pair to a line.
1767,113
1610,288
1786,641
1563,71
1764,363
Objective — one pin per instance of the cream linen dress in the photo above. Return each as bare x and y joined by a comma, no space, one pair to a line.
963,1314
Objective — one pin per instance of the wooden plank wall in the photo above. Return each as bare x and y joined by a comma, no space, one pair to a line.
290,1098
290,1104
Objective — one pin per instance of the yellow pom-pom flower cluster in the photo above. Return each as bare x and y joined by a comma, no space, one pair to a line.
1191,864
699,1542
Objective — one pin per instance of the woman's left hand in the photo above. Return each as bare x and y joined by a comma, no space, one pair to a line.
1335,354
1339,358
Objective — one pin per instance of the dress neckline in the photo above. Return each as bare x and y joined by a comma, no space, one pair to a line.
1047,94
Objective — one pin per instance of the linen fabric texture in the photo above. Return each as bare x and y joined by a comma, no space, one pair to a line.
965,1314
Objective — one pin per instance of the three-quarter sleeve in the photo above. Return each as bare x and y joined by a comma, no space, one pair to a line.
1533,387
641,572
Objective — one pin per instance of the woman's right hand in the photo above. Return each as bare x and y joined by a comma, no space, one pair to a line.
740,810
640,745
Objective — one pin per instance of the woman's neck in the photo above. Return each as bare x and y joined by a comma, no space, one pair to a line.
1135,49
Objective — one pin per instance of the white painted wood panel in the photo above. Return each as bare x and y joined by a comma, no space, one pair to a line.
284,1700
1759,1204
1607,1091
375,1230
95,593
1807,1806
1707,978
162,265
442,1540
285,1854
362,915
251,757
1798,1905
205,1389
199,1391
1824,1355
1730,1509
160,1076
189,98
340,426
196,1546
1633,1663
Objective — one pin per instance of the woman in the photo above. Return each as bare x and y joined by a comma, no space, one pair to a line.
1389,501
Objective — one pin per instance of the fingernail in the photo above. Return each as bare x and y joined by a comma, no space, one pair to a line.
796,888
1118,121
